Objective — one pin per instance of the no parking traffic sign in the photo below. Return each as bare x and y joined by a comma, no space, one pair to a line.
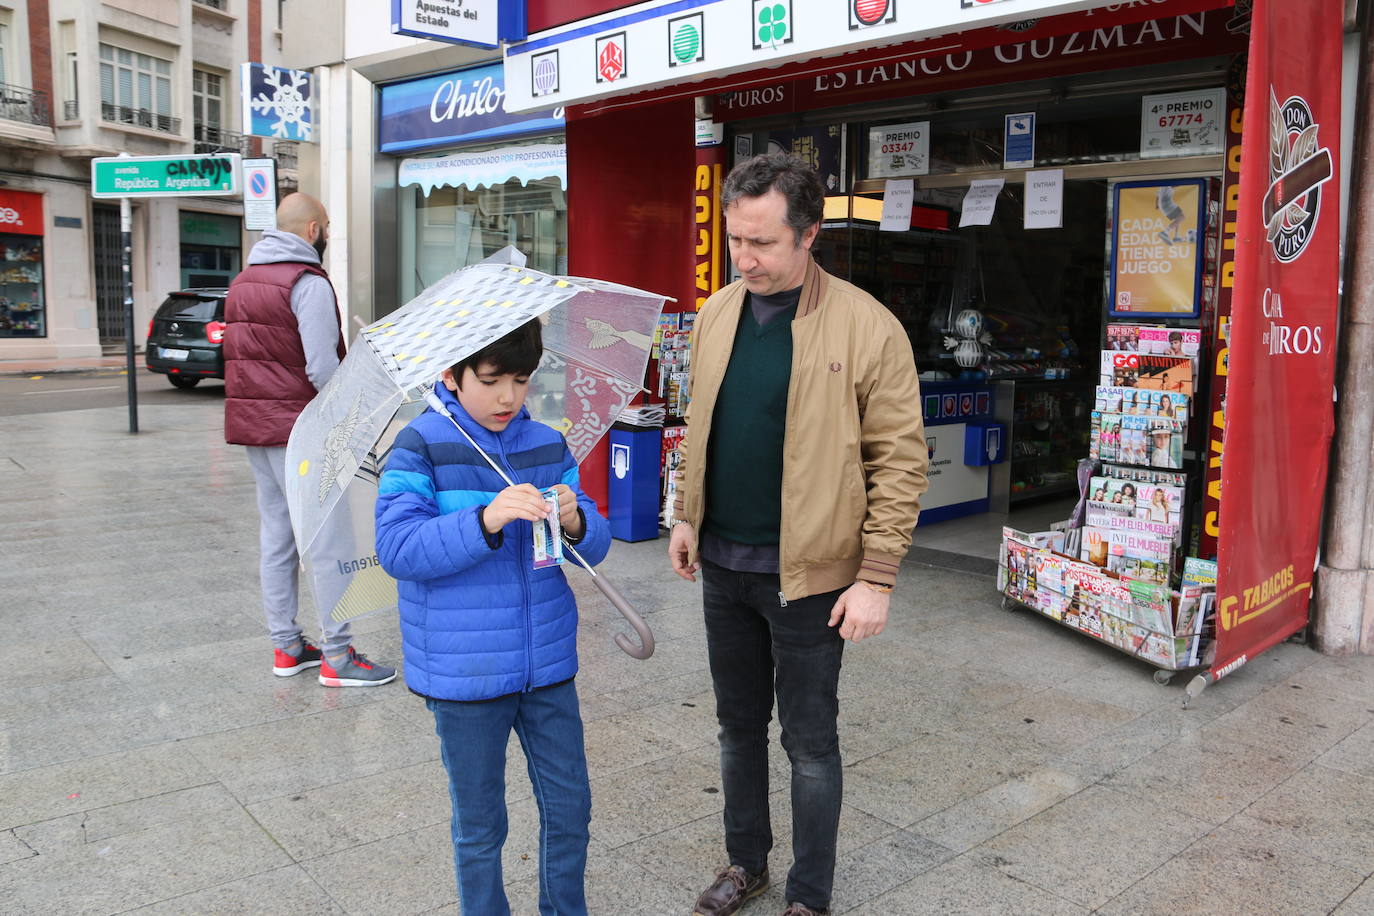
259,194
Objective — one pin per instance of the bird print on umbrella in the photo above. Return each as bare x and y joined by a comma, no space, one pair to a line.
604,335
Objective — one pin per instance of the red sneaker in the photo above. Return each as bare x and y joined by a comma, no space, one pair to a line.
356,671
285,664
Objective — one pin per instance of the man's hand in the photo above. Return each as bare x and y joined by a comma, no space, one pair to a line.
860,612
682,543
520,501
567,511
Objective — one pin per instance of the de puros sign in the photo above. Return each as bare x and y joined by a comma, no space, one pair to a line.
166,176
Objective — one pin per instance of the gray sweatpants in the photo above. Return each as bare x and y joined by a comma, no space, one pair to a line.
280,562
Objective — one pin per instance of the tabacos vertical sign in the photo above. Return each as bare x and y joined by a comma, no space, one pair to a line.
707,222
1279,413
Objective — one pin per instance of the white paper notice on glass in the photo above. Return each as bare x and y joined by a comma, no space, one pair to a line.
980,203
898,194
1045,199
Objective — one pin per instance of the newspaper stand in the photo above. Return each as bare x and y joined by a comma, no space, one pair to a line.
1169,635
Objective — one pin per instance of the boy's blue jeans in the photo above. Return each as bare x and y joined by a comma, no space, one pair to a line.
472,739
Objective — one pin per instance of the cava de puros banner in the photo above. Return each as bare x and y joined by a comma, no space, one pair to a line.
1279,412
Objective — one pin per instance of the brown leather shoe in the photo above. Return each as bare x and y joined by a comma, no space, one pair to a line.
801,909
732,888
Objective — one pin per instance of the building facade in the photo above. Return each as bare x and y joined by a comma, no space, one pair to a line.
79,81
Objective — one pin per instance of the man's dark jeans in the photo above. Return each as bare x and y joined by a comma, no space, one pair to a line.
754,645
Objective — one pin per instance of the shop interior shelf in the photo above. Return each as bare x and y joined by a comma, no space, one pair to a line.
1067,486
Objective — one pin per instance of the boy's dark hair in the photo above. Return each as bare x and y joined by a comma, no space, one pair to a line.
793,178
517,353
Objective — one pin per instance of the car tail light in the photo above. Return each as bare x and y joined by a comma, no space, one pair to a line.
150,328
214,331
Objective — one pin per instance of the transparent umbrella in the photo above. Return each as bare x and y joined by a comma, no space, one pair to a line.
596,345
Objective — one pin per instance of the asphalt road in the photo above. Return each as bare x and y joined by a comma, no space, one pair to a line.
38,393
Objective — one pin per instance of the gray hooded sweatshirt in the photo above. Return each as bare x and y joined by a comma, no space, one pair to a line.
312,302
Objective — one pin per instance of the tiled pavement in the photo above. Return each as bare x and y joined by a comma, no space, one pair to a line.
994,762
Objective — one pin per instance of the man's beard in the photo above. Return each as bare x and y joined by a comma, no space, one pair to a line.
319,245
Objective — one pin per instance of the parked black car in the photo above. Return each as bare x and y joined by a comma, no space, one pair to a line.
186,337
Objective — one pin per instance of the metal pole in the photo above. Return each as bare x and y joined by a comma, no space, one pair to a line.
126,234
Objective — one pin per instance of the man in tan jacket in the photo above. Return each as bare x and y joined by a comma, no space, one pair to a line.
805,463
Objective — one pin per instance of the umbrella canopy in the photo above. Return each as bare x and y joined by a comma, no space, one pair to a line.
596,336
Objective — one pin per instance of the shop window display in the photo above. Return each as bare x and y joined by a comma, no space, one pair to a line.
452,227
21,286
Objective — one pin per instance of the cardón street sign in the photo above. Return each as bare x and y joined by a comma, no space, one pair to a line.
166,176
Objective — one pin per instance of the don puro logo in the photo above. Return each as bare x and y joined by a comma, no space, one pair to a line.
10,217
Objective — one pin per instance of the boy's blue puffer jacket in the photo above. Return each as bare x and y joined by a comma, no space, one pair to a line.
477,622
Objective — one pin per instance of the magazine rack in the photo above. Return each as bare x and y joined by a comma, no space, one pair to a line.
1160,626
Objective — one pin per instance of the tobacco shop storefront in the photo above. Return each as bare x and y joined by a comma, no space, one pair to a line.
1051,205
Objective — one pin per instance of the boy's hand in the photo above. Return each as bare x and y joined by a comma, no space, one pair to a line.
520,501
568,515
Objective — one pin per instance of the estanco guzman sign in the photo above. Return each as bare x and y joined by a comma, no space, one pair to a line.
664,42
165,176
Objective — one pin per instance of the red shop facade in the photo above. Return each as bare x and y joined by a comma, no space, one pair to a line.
643,210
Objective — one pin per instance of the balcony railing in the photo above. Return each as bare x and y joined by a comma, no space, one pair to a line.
29,106
285,152
213,4
140,117
210,139
71,110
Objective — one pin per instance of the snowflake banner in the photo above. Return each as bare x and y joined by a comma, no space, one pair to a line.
277,102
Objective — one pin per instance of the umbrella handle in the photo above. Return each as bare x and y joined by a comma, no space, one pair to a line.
646,635
645,648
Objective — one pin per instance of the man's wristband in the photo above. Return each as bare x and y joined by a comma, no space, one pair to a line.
877,587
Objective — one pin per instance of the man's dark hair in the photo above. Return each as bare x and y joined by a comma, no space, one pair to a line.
517,353
793,178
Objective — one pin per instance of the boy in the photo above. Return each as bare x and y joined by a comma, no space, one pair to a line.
489,641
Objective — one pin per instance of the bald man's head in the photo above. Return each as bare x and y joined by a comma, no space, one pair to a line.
303,215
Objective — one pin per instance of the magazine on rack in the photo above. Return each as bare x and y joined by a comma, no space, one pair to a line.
1146,475
1141,402
1162,341
1197,571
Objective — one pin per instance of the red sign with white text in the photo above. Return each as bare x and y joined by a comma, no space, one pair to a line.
1279,415
21,212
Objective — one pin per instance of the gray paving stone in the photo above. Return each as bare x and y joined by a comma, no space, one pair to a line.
1207,778
1093,845
1355,753
917,779
118,873
271,893
1233,872
402,874
44,793
1360,901
1323,813
966,885
974,819
291,755
333,817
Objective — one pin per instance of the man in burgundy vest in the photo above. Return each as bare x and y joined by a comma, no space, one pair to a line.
282,344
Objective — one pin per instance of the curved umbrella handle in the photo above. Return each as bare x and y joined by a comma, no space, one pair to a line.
646,636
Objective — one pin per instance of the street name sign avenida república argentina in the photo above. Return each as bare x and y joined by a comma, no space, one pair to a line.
166,176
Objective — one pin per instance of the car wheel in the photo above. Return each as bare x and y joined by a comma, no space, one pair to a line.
184,381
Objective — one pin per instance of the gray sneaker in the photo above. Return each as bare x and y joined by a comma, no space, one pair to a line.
356,671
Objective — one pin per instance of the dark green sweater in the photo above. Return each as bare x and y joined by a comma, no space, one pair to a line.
744,458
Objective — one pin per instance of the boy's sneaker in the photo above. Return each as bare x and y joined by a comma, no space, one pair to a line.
285,664
356,671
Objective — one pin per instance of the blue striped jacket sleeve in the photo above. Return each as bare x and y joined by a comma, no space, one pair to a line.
415,540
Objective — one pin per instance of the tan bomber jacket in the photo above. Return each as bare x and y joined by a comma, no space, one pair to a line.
854,451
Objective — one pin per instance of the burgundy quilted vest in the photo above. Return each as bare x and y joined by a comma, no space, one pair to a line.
265,384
